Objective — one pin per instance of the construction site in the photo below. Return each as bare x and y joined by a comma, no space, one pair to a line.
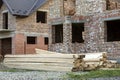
65,31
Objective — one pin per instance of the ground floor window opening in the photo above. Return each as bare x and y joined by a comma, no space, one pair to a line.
57,33
77,32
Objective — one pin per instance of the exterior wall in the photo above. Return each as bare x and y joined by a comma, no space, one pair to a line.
21,46
56,9
83,7
67,46
88,7
92,13
97,37
23,27
18,43
11,19
27,26
40,44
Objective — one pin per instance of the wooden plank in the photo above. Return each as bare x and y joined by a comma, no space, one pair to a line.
92,60
41,64
42,56
39,67
88,55
38,60
46,60
40,51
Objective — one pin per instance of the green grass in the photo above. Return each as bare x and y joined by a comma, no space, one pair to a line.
20,70
14,70
95,74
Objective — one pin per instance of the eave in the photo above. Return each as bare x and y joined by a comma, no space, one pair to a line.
23,7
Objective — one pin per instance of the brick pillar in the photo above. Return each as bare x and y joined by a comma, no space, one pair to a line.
67,35
19,44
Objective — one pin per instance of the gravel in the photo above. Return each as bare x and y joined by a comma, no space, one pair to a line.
32,75
36,75
110,78
17,74
40,75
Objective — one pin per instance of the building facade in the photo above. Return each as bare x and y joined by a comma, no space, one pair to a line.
66,26
22,34
89,26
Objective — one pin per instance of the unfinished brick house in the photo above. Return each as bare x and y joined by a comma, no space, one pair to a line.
72,26
80,26
23,26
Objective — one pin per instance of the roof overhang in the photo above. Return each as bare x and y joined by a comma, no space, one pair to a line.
5,33
5,30
23,7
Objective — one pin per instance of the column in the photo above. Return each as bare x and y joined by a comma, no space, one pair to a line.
67,34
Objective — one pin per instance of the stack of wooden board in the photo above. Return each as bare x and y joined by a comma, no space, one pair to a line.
92,62
53,61
43,60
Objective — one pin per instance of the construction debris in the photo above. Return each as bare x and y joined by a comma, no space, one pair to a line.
92,62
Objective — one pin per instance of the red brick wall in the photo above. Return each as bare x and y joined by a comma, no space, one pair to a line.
18,43
41,44
30,48
21,46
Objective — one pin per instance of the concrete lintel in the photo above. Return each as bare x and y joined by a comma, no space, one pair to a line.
112,18
81,21
6,35
5,30
56,23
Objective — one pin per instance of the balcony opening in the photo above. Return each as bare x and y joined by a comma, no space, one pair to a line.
77,32
57,33
112,30
5,20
